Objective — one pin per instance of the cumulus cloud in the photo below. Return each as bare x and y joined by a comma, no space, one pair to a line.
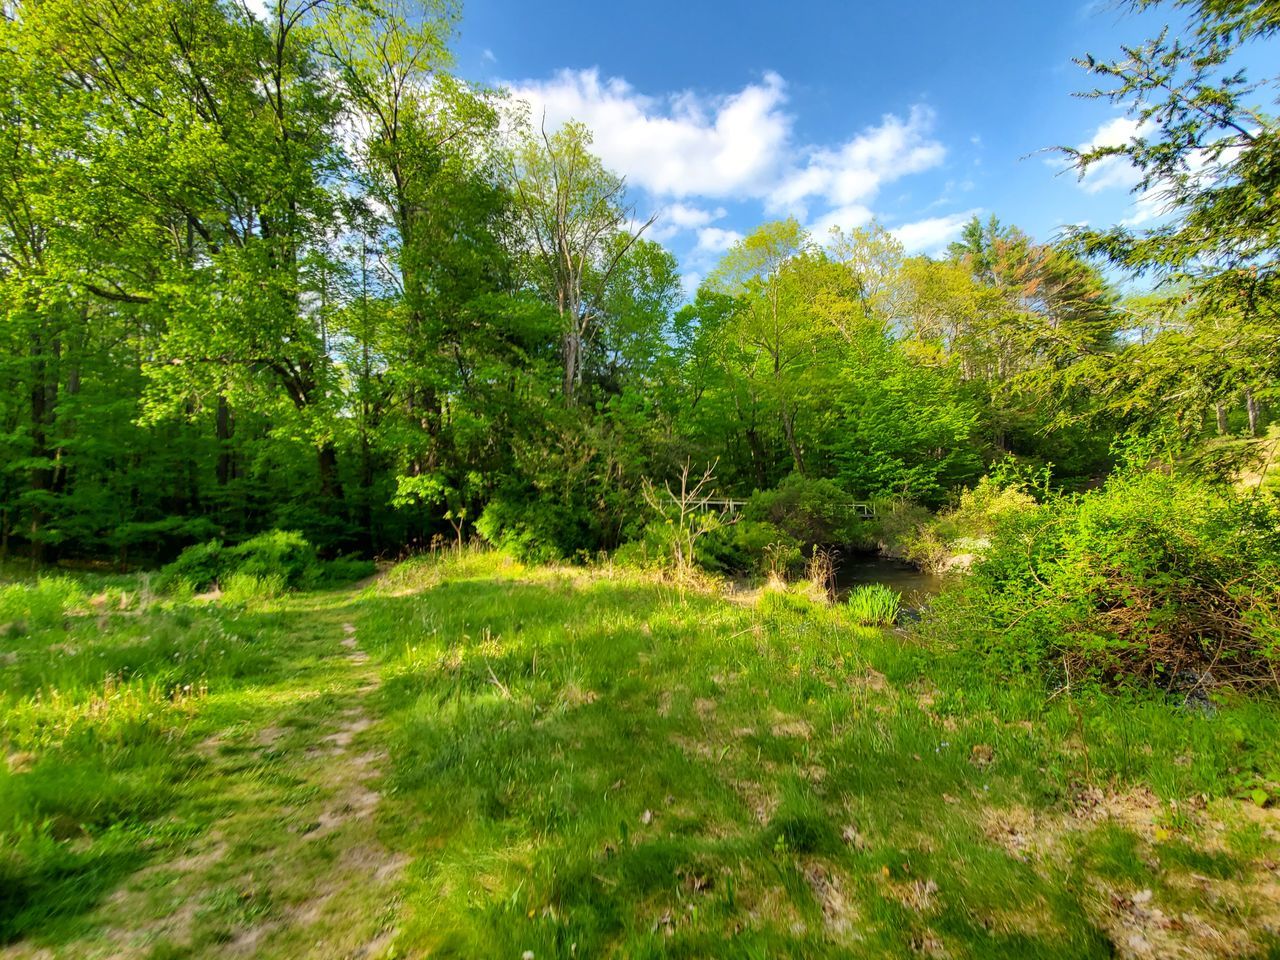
687,217
681,216
739,146
676,146
933,233
853,172
845,218
716,239
1111,172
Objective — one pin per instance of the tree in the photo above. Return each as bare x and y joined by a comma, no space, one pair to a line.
577,228
1207,157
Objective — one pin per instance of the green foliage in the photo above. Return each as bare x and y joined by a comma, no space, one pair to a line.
873,605
532,530
197,568
277,555
344,570
807,512
1207,144
1154,579
750,546
966,529
41,605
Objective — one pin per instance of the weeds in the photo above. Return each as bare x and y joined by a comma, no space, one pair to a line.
873,605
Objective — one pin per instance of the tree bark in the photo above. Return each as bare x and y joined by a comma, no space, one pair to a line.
1255,412
223,427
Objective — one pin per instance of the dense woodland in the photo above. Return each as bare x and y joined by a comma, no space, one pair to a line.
293,273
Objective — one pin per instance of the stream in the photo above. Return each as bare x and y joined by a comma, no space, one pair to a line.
856,569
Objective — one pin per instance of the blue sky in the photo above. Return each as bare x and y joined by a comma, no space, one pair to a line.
918,113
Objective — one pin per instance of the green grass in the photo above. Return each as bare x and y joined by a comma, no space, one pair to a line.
590,763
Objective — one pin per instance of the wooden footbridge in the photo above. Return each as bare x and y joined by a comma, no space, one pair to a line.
731,506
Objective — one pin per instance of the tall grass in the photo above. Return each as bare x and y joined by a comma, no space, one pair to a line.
40,605
874,604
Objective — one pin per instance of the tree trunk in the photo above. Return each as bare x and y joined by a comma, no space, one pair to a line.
1220,412
789,428
43,399
327,463
222,430
1255,412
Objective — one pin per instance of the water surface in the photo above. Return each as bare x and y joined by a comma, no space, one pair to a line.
856,569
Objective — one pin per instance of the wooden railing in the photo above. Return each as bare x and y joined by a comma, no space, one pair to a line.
729,505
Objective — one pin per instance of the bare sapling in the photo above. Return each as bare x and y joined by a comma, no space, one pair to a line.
689,510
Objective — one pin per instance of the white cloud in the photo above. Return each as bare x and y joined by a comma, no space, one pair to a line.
691,281
686,217
488,56
853,172
854,215
931,234
1117,171
738,146
680,216
716,239
678,146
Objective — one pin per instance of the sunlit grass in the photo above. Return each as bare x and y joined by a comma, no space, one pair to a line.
594,762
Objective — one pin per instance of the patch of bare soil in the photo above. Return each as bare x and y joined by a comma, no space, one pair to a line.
1192,916
838,914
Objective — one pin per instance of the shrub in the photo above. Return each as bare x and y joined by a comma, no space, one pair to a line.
197,568
1153,578
347,570
282,553
897,524
41,605
533,531
808,512
744,547
276,553
874,605
967,527
635,555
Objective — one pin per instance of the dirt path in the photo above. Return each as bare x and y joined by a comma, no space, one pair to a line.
293,866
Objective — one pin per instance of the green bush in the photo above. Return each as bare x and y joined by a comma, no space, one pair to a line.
197,568
1154,579
41,605
874,605
898,524
346,569
909,531
808,512
282,553
534,531
276,553
744,547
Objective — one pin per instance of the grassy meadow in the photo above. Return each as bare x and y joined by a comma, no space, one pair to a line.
467,757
